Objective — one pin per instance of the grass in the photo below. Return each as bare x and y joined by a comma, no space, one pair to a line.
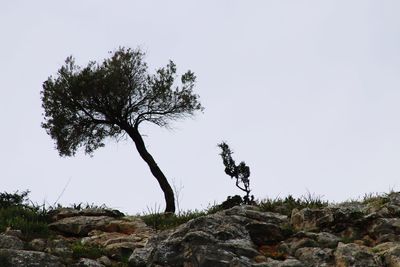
287,204
86,251
162,221
15,213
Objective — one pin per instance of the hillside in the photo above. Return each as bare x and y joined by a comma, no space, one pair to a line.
355,233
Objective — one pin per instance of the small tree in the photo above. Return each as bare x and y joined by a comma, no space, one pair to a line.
240,172
84,106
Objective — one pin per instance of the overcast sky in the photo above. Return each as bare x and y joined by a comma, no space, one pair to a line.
307,93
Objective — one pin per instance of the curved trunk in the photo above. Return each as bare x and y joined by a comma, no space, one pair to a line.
155,170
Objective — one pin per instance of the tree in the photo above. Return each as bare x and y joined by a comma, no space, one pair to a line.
240,172
84,106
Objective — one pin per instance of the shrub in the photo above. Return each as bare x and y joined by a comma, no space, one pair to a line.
286,205
163,221
17,214
240,172
86,251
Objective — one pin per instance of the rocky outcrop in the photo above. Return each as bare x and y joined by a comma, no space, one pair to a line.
104,235
342,235
24,258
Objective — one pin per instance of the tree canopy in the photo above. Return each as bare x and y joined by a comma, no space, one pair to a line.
85,105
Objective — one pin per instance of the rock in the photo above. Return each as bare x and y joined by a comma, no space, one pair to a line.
221,239
285,263
301,243
24,258
62,213
327,240
140,256
316,256
38,244
13,232
310,219
10,242
394,199
59,247
252,212
87,263
265,233
389,252
385,226
104,260
80,225
356,256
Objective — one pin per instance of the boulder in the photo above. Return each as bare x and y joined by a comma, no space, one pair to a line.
322,257
354,255
25,258
221,239
83,262
62,213
80,225
10,242
385,227
310,219
83,225
389,252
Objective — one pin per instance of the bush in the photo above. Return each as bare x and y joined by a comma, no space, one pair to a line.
286,205
240,172
163,221
86,251
17,214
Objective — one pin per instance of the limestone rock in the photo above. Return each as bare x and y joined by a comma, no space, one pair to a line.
10,242
285,263
13,232
38,244
315,256
354,255
310,219
80,225
24,258
87,263
265,233
384,227
390,253
220,239
62,213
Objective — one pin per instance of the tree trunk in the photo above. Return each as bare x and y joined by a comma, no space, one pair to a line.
155,170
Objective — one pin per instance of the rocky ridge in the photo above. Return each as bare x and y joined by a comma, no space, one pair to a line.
347,234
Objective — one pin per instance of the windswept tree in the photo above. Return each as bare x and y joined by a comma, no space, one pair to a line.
85,105
240,172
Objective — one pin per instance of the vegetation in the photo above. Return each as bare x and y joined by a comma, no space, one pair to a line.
84,106
86,251
287,204
16,213
162,221
240,172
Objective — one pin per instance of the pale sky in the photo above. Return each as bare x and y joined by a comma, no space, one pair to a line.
307,93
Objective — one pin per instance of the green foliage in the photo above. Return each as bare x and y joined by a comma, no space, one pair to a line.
83,106
240,172
376,200
86,251
286,205
15,213
13,199
230,202
162,221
